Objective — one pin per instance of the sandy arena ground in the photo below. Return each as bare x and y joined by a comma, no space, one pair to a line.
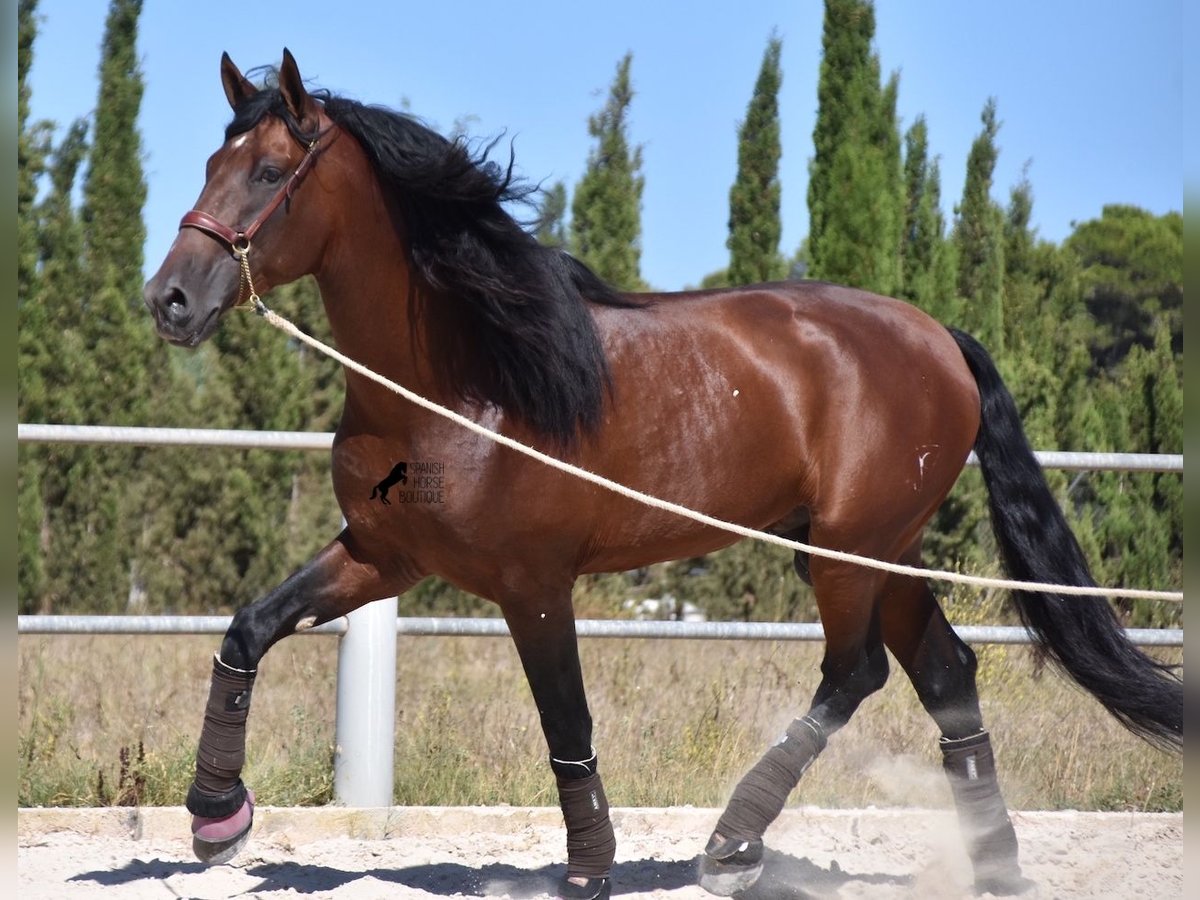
519,852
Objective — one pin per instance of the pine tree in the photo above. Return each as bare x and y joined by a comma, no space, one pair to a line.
855,188
754,224
606,210
979,237
1133,276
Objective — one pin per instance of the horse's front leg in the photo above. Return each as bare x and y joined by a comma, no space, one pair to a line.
337,580
544,634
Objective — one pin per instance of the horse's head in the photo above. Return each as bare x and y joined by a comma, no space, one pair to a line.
258,221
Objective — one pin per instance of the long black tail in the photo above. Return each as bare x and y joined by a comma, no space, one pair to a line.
1081,634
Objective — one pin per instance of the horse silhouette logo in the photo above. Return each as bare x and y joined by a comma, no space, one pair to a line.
398,475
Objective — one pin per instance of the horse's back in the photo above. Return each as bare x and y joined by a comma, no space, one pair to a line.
774,397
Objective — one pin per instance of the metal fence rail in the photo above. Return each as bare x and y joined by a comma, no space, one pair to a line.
437,626
366,638
319,440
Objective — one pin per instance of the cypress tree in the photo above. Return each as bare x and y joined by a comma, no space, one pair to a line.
97,519
979,237
917,241
855,189
31,328
114,193
606,211
551,228
50,347
1031,351
754,199
926,258
32,149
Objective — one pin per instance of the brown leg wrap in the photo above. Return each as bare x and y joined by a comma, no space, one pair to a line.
759,796
218,790
591,844
991,840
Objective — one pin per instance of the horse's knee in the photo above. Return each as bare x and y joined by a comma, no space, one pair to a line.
845,685
876,673
865,677
244,644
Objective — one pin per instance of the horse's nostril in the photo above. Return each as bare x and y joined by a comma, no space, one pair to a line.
175,305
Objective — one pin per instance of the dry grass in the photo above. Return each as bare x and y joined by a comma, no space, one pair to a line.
113,720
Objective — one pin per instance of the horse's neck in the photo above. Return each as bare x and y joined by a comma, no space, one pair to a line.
366,301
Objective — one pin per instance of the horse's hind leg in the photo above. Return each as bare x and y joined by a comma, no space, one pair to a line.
333,583
942,669
855,666
544,635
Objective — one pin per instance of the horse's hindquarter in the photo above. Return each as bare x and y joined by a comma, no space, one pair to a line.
749,404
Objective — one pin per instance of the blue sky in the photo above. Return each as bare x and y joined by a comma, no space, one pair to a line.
1090,94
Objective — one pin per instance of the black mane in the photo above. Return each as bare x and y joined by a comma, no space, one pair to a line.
505,320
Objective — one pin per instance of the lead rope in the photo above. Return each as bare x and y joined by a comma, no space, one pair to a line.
897,568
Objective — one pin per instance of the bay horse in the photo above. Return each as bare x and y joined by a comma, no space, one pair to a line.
858,412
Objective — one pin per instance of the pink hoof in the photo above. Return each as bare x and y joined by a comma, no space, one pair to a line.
217,841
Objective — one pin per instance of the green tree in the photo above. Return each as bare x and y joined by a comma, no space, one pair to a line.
32,150
1132,270
606,210
855,188
979,237
48,341
551,228
754,224
1136,518
31,157
1028,343
928,260
114,193
97,496
960,535
749,582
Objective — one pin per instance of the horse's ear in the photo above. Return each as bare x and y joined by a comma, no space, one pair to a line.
291,88
237,88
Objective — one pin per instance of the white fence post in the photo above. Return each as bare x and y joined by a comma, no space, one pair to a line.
366,707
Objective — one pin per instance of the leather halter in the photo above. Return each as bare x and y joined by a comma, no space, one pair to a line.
238,240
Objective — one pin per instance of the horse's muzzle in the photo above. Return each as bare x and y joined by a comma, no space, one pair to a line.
176,316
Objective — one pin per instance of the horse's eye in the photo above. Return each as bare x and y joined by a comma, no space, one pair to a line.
270,175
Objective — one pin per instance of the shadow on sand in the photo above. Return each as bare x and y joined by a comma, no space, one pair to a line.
784,876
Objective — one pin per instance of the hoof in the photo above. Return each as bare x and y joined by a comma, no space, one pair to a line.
592,889
217,841
729,866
